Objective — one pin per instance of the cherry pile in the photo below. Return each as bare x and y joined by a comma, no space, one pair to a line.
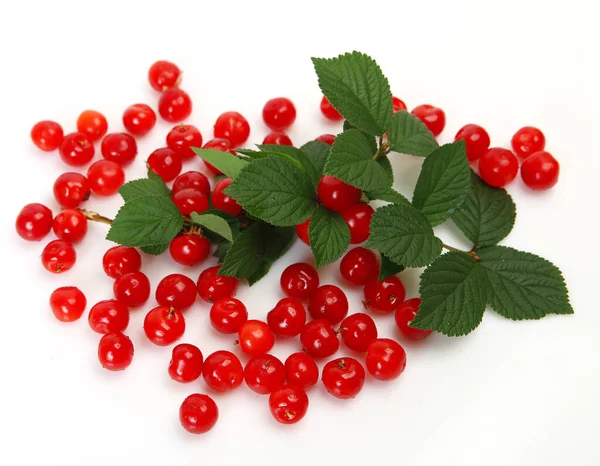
315,314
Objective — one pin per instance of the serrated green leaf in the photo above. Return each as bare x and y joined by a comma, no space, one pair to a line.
146,221
143,187
226,162
214,223
388,268
523,285
409,135
388,195
153,176
275,191
487,215
299,156
329,236
403,234
444,182
453,290
317,152
155,249
354,84
221,250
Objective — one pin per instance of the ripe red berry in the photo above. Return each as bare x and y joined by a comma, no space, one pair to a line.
287,318
227,315
359,265
288,404
540,171
224,202
194,180
93,124
343,377
278,138
139,119
71,189
279,113
301,370
115,351
165,163
58,256
176,291
233,127
198,414
47,135
70,225
34,222
164,325
105,177
212,286
337,195
120,148
132,289
223,371
433,117
326,138
319,339
255,338
498,167
302,232
358,218
329,112
109,316
119,260
398,105
67,303
328,302
299,280
405,315
186,363
189,249
384,296
190,200
182,138
174,105
528,140
220,144
264,374
76,149
477,140
163,75
358,330
386,359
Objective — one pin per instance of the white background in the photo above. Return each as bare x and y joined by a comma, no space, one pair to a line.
509,394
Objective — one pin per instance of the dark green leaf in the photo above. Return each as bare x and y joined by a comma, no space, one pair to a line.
329,236
226,162
388,268
221,250
155,249
144,187
299,156
409,135
388,195
317,152
214,223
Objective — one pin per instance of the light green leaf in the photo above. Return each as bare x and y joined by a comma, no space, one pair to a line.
329,236
226,162
155,249
143,187
299,156
214,223
409,135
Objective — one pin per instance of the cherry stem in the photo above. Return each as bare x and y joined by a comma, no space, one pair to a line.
471,253
96,217
384,149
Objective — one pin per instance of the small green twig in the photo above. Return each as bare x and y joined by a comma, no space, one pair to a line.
95,217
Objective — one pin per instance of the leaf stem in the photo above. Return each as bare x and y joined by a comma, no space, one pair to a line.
95,217
471,253
384,149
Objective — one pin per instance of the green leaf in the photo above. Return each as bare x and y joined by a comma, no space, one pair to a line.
329,236
409,135
275,191
388,195
146,221
356,87
351,160
453,290
226,162
487,215
144,187
388,268
214,223
153,176
299,156
404,235
155,249
221,250
317,152
444,182
523,285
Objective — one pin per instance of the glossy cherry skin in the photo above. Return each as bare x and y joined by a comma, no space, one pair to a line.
287,318
329,112
71,189
198,414
498,167
384,296
132,289
477,140
343,377
357,331
540,171
301,370
358,218
319,339
176,291
182,138
405,315
288,404
359,265
115,351
299,280
328,302
398,105
212,286
278,138
120,148
264,374
386,359
34,222
192,180
164,325
224,202
255,337
233,127
227,315
528,140
93,124
76,149
279,113
302,232
108,316
190,200
219,144
70,225
119,260
326,138
337,195
165,163
67,303
186,363
105,177
58,256
433,117
189,249
139,119
47,135
223,371
174,105
163,75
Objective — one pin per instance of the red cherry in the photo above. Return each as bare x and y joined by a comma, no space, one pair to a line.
115,351
120,148
164,325
329,112
337,195
194,180
358,217
108,316
386,359
277,138
287,318
301,370
227,315
47,135
384,296
326,138
165,163
528,140
223,371
433,117
319,339
58,256
358,330
198,414
212,286
67,303
279,113
186,363
132,289
299,280
302,232
190,200
76,149
540,171
105,177
288,404
34,222
163,75
176,291
343,377
233,127
498,167
405,315
93,124
328,302
71,189
264,374
255,338
119,260
220,144
189,249
224,202
174,105
70,225
139,119
477,140
359,265
182,138
398,105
